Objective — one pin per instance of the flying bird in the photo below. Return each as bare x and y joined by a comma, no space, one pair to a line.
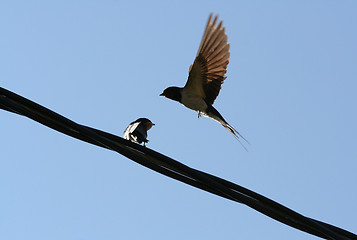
137,131
206,75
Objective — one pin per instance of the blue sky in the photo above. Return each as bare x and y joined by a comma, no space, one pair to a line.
291,91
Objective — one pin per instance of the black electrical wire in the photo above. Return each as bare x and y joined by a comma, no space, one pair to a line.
167,166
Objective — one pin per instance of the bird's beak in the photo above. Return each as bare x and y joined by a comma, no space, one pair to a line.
162,94
153,124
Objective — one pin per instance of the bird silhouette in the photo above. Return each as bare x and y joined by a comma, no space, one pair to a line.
137,130
206,75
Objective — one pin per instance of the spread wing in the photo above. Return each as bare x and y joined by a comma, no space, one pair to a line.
207,73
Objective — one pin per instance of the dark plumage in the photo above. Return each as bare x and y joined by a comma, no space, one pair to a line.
137,130
206,75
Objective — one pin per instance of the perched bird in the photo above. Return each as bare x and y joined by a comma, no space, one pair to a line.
206,75
137,130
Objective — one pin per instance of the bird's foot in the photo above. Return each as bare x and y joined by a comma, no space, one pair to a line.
199,114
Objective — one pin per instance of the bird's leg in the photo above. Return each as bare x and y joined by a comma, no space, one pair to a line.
199,114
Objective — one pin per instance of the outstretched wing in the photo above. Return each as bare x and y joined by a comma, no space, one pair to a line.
207,73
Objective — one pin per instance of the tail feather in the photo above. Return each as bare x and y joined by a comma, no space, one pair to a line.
235,133
214,114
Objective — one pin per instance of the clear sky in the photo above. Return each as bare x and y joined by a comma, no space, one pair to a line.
291,91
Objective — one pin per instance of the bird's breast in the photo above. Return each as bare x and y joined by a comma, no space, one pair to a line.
193,102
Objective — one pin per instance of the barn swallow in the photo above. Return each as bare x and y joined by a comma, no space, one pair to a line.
137,130
206,75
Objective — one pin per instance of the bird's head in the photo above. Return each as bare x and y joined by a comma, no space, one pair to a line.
148,124
173,93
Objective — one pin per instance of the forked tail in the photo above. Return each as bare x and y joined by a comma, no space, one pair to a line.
214,114
235,133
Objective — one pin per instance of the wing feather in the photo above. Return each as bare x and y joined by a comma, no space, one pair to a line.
207,73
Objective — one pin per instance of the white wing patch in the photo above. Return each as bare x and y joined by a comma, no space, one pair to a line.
129,130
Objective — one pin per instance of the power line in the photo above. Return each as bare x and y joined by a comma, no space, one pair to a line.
165,165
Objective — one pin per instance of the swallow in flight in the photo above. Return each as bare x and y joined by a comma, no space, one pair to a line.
137,130
206,75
